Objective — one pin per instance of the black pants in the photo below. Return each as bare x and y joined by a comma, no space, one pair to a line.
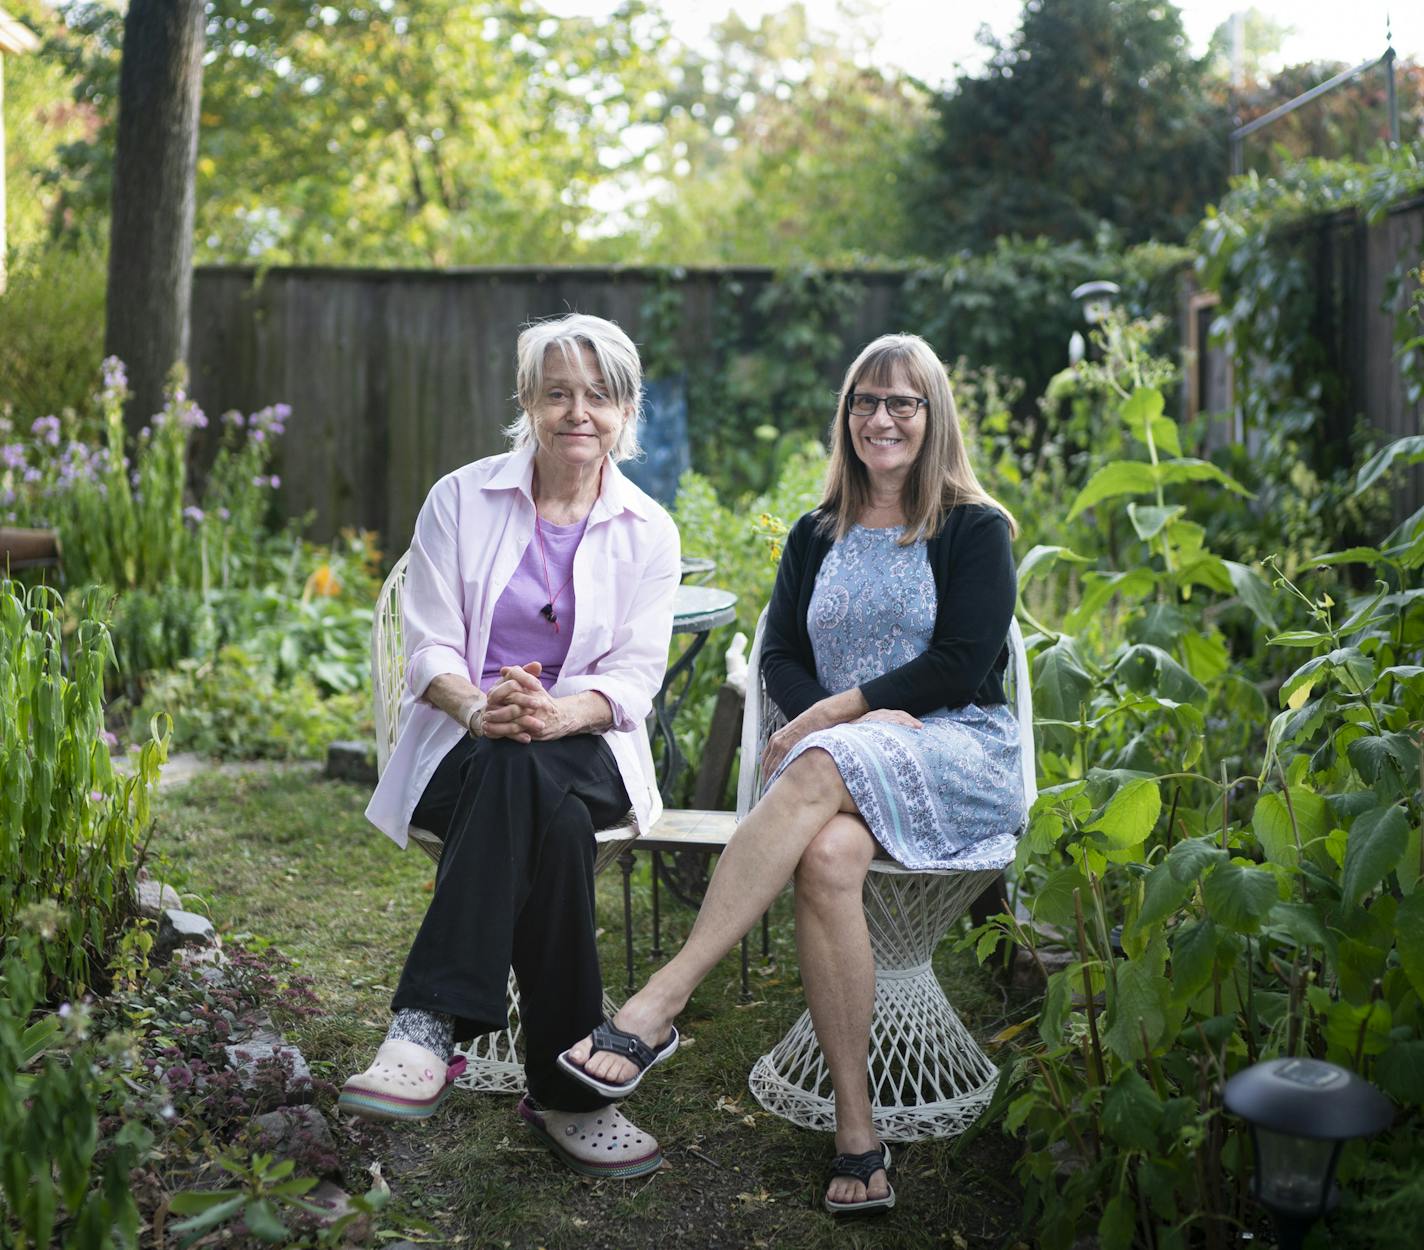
515,889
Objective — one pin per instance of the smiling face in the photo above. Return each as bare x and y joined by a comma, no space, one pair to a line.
887,446
575,419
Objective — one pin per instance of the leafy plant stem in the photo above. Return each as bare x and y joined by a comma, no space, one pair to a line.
1098,1071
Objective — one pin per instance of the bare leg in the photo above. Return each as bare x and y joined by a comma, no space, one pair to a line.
838,975
758,861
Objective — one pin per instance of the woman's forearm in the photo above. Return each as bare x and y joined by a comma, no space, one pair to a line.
456,696
589,711
837,709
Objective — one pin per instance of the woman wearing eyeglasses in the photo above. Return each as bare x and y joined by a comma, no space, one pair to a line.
885,647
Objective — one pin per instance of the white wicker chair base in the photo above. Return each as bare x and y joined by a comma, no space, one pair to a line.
928,1076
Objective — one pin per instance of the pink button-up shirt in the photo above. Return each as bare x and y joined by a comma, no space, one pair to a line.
469,537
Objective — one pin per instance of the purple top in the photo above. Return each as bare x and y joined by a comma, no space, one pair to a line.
518,633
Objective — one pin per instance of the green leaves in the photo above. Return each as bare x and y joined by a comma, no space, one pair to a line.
1130,814
1142,414
1139,1004
1121,477
1409,936
1061,684
1377,840
1410,450
1131,1112
1239,898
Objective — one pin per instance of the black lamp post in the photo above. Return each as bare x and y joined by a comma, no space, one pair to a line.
1301,1113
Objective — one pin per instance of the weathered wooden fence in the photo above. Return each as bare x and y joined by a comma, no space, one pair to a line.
1362,282
398,376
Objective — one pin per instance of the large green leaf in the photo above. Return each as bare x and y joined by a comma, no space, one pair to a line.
1193,956
1149,520
1271,822
1130,814
1121,477
1301,923
1189,469
1140,1002
1238,897
1409,938
1252,590
1400,1071
1099,588
1061,685
1376,843
1410,450
1042,555
1131,1112
1052,902
1189,859
1162,896
1148,668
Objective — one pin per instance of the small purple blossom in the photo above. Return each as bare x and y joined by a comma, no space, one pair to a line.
46,428
13,455
234,418
115,378
109,739
96,796
258,436
193,514
193,418
223,514
32,475
64,1010
274,481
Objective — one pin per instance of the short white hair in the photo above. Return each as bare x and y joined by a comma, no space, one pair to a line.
618,362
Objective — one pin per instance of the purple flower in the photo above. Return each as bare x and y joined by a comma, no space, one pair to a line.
233,418
32,475
223,514
193,418
282,412
48,429
13,455
110,740
193,514
96,796
258,435
114,376
64,1010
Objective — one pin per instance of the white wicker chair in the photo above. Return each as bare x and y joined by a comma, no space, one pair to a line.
928,1076
493,1059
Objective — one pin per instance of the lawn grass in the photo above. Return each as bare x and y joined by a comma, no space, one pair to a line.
286,855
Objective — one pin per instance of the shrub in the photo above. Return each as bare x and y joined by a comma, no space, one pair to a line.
1227,889
69,824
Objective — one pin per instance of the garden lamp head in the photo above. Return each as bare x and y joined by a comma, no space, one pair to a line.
1301,1113
1097,299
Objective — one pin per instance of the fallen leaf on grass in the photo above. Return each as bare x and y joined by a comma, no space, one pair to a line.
749,1006
734,1105
1011,1032
759,1199
749,1121
959,1242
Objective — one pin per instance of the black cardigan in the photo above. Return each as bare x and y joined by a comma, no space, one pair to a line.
972,561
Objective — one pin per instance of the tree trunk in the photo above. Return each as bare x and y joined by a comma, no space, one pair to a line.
151,235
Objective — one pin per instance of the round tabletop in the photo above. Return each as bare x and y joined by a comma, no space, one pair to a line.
697,567
696,609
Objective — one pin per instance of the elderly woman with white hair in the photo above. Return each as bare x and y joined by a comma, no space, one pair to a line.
537,610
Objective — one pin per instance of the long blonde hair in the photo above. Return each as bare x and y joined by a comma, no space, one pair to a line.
941,476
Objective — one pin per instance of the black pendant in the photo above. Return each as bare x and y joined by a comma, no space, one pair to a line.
547,612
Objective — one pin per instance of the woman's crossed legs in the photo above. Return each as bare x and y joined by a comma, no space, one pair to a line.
806,825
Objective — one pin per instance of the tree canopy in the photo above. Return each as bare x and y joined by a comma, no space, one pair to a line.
1091,111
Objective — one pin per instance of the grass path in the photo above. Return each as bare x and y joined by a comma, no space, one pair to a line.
287,856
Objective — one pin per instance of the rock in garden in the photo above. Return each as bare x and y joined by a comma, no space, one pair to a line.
155,897
302,1134
351,761
274,1073
182,928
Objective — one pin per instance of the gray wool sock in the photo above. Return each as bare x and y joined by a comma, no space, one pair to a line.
432,1029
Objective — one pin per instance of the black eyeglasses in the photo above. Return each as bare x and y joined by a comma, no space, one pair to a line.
902,407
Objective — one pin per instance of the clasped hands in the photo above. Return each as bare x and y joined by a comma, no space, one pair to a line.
520,708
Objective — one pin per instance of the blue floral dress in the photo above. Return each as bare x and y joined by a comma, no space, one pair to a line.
949,795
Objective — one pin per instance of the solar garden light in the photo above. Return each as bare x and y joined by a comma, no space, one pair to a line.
1301,1113
1097,299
